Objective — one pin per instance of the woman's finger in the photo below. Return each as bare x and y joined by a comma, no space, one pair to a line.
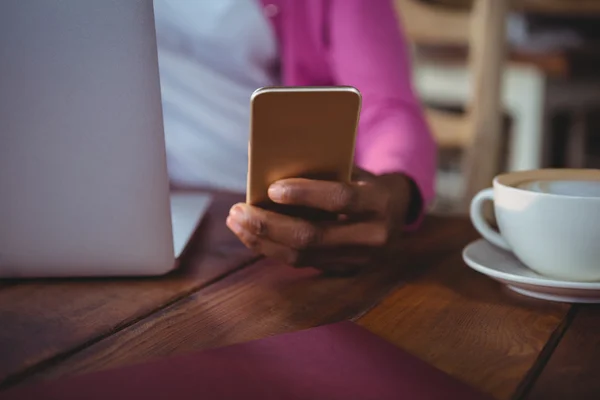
339,197
301,234
335,261
288,231
263,245
372,234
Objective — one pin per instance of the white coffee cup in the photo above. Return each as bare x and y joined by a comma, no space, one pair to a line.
549,218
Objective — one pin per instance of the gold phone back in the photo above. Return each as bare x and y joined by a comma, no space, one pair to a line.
301,132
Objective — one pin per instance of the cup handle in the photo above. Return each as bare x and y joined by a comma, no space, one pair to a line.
480,222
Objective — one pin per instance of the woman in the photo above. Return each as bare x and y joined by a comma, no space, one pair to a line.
214,54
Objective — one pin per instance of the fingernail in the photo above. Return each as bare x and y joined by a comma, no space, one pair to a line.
233,225
237,213
276,192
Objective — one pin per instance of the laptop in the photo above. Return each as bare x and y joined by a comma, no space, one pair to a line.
84,187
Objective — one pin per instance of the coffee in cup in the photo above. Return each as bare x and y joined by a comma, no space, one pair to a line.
563,187
549,218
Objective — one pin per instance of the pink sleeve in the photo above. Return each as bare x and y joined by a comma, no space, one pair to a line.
368,52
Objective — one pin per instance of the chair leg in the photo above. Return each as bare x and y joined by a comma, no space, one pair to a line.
486,57
525,98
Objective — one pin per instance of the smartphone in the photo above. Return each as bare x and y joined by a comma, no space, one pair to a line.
307,132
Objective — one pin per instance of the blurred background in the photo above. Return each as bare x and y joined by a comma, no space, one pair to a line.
507,85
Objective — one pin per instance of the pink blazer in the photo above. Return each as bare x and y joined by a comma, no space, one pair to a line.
360,43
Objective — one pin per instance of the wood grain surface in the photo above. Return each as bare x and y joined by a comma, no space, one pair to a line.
265,299
44,320
424,300
467,325
573,371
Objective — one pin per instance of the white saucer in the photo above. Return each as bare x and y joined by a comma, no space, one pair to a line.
504,267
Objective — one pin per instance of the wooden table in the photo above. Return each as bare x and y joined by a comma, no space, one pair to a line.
426,302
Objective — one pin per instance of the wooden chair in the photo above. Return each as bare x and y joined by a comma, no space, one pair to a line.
478,131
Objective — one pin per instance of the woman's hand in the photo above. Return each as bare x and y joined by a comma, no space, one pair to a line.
371,211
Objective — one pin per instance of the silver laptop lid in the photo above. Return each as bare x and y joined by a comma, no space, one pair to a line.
83,179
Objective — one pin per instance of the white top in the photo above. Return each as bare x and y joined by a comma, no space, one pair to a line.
212,56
